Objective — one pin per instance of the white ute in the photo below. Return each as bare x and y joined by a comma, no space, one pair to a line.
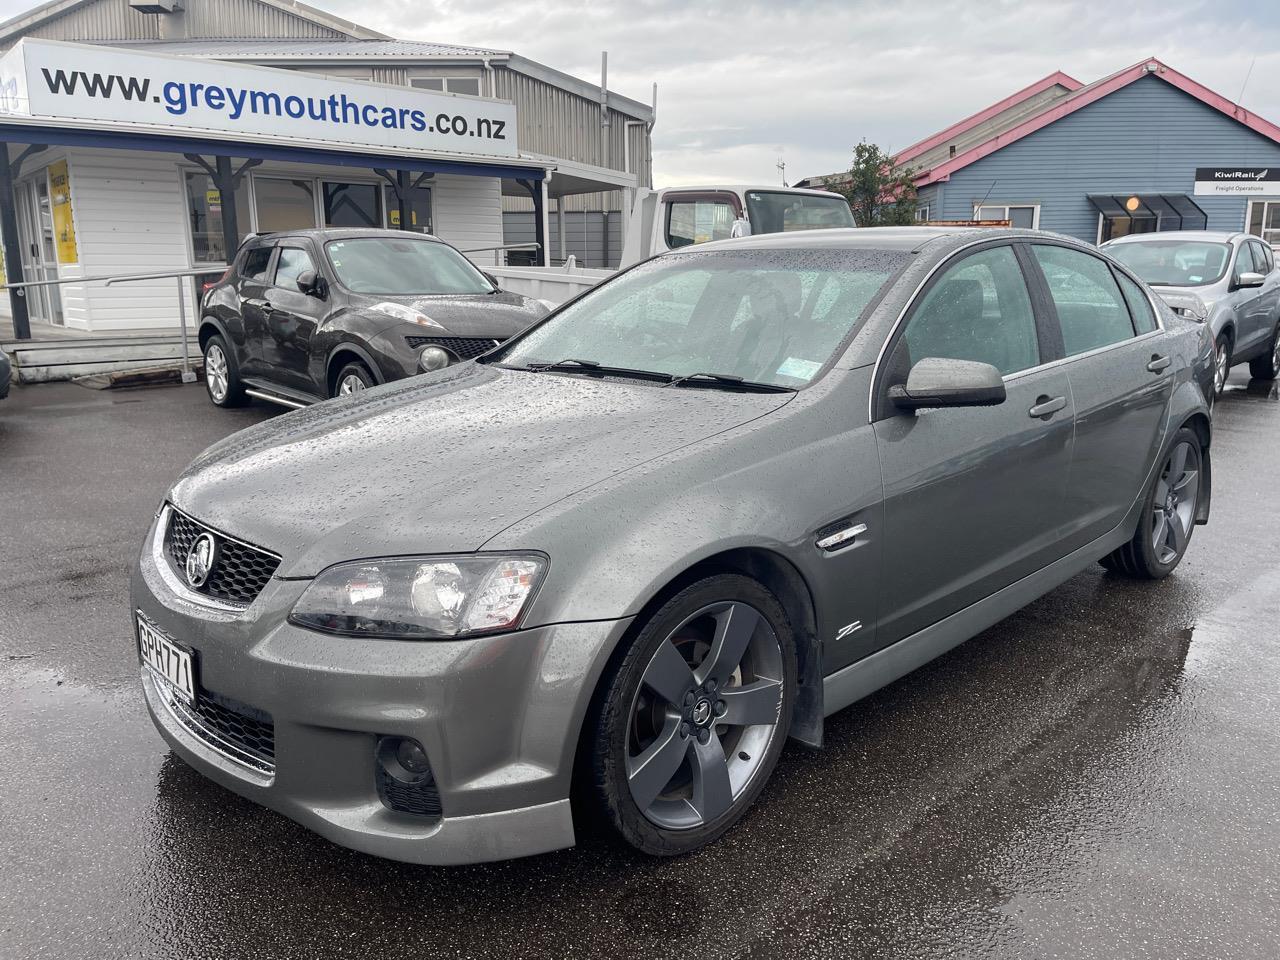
675,217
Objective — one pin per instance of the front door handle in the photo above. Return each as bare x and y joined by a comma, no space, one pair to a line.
1158,363
1047,406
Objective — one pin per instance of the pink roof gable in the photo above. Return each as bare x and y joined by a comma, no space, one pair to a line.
1084,96
1058,78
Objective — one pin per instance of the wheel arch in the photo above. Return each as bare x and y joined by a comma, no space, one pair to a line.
209,326
344,353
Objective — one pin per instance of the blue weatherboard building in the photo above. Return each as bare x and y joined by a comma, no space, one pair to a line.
1144,149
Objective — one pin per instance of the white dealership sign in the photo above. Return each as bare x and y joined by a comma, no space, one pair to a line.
1237,181
70,81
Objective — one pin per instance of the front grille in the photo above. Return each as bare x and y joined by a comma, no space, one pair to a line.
464,348
236,730
421,799
239,572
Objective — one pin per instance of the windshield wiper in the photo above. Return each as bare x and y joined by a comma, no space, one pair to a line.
577,365
731,381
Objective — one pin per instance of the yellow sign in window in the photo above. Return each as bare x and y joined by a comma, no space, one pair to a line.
64,227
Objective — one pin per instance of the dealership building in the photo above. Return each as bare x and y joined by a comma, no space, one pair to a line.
1144,149
152,135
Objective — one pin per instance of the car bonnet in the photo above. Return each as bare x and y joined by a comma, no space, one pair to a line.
439,463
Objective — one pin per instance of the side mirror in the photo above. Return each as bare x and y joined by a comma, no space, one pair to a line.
492,279
936,382
740,228
311,283
1250,280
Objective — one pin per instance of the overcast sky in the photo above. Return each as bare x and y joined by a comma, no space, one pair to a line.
741,84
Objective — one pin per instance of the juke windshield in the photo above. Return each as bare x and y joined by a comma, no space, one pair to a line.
408,267
767,317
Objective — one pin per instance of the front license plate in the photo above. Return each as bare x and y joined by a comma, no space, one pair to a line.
169,662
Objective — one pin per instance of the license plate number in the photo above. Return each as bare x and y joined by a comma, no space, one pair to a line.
168,662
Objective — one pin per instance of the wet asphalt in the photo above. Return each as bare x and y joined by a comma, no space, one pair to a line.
1096,777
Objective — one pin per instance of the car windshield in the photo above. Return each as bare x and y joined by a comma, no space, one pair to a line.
1174,263
766,316
776,212
403,267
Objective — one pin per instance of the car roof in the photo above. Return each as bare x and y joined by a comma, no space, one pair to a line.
905,239
1217,236
322,234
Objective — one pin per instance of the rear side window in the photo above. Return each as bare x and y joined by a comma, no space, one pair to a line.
293,262
697,221
1144,319
1091,310
978,310
256,262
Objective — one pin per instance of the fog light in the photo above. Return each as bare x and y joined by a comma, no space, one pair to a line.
432,358
403,759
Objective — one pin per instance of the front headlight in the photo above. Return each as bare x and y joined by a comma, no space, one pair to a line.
424,598
405,314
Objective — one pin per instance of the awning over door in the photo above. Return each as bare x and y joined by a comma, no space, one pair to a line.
1165,211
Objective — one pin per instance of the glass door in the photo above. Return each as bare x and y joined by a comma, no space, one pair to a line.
39,248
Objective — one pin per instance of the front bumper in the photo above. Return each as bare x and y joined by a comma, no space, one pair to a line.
498,716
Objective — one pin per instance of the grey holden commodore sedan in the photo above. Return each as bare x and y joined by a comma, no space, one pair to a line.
613,566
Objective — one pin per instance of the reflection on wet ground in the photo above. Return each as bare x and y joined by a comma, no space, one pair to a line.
1097,776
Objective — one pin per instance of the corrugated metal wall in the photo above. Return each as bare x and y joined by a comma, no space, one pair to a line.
585,236
205,19
1145,138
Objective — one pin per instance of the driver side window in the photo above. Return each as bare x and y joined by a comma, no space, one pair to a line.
978,309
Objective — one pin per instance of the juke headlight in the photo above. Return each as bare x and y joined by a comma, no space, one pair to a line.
421,598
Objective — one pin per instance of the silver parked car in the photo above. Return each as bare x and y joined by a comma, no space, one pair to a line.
1227,280
617,562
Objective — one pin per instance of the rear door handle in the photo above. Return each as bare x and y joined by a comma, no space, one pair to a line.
1158,363
1047,406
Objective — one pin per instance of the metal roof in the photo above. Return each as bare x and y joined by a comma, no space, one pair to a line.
339,49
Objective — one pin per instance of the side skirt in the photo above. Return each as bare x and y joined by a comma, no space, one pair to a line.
866,676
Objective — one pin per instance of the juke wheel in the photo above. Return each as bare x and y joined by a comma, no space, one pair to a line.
1168,515
1267,366
690,721
353,378
221,374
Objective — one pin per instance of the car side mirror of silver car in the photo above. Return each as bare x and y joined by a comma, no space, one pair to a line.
939,382
311,283
740,228
1250,280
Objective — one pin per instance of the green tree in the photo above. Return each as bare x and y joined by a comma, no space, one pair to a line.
880,193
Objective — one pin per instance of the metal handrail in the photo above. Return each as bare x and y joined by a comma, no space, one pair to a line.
188,375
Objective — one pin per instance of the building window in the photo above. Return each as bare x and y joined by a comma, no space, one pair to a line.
922,212
1264,220
467,86
419,208
1023,215
204,214
352,205
284,204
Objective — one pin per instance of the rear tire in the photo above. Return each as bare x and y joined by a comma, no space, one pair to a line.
222,373
352,378
1168,514
690,719
1267,366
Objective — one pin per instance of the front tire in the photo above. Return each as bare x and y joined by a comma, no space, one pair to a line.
690,721
1221,363
222,373
1267,366
352,378
1168,514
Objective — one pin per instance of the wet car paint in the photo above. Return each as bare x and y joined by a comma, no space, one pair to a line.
1096,776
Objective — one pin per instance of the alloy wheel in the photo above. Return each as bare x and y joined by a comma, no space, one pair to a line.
1220,368
707,710
216,376
1175,502
350,384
